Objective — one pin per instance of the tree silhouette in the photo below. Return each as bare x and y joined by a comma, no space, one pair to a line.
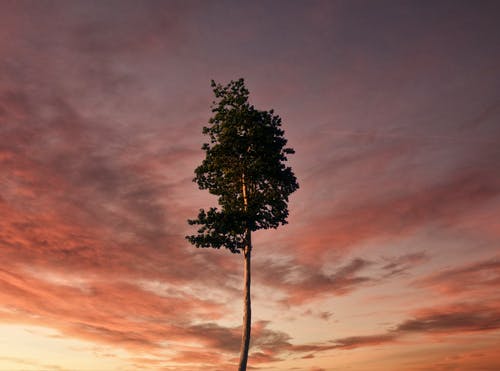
245,167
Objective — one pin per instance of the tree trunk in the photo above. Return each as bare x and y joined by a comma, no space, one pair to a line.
247,316
247,307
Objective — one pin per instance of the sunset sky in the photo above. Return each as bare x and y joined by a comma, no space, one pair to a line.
391,258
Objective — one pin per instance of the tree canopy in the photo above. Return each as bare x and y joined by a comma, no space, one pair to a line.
245,167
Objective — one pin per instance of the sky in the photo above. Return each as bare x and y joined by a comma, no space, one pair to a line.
391,258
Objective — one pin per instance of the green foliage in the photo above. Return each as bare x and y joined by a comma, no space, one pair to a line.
246,149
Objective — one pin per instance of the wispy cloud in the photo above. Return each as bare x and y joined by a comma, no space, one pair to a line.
403,263
478,277
392,217
301,283
450,320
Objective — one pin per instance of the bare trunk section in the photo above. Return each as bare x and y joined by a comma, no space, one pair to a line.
247,306
247,316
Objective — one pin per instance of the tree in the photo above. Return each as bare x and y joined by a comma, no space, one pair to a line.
245,167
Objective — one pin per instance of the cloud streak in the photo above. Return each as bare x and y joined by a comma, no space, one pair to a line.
478,277
445,321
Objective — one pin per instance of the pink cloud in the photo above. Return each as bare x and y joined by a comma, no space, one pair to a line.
302,284
478,278
394,216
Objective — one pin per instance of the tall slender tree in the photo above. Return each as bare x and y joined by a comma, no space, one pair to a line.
245,167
